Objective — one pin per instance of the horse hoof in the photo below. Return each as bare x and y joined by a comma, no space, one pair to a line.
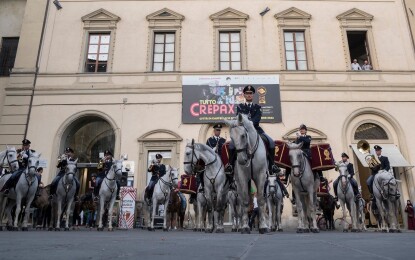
195,230
345,230
384,231
220,230
100,228
300,230
50,229
246,231
150,229
263,230
165,230
306,230
234,230
398,231
66,229
25,229
391,230
273,229
280,230
1,228
57,229
110,229
315,230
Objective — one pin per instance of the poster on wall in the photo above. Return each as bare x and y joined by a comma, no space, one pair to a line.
212,98
127,209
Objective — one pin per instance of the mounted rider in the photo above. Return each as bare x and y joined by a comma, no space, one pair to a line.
22,157
384,165
254,113
103,167
68,155
353,182
157,170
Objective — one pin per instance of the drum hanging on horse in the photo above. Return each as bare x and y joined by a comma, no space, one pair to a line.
188,184
281,156
225,153
322,157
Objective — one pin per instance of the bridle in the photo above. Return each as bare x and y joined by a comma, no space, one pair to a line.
388,184
169,183
115,173
344,190
8,161
300,166
249,152
196,167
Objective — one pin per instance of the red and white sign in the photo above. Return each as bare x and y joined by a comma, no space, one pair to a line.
126,216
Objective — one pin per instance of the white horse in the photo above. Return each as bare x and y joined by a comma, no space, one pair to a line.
108,193
252,164
8,160
234,209
161,194
25,190
305,188
216,186
275,203
63,199
385,190
346,196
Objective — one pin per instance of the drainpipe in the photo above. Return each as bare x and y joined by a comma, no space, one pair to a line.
409,24
37,67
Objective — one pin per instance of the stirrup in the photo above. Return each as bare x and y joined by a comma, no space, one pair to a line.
96,198
275,169
6,192
228,169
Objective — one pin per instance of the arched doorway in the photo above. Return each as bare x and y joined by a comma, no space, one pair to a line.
89,136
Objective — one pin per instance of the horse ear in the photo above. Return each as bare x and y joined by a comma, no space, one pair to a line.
193,141
240,118
76,160
39,155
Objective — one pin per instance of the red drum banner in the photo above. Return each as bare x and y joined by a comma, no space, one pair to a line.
212,98
188,184
322,157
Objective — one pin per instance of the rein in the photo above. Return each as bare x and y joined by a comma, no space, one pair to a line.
196,168
168,184
301,170
8,161
388,195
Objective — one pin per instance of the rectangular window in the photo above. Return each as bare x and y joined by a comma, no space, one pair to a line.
8,55
295,51
358,46
230,50
163,51
98,50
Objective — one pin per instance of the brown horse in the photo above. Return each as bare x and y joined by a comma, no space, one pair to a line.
85,204
328,205
176,211
42,204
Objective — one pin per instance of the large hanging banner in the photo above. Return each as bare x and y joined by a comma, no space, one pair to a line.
127,209
210,99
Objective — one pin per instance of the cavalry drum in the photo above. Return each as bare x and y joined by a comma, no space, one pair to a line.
281,156
225,153
322,157
188,184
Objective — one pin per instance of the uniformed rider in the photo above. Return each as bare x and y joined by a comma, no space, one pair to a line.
68,155
157,170
103,167
353,182
22,157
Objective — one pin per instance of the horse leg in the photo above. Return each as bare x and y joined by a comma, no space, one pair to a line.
3,201
260,182
58,216
153,213
300,212
382,213
312,197
111,206
101,211
68,212
17,212
9,209
244,207
199,215
166,212
353,214
26,212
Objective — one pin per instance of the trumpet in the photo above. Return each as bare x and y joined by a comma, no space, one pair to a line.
100,165
364,147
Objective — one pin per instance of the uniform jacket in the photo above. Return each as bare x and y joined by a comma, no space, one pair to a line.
254,114
384,164
350,168
159,169
212,143
306,140
24,155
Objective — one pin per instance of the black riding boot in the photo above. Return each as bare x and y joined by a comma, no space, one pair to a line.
231,164
118,191
201,181
335,183
283,189
273,168
320,175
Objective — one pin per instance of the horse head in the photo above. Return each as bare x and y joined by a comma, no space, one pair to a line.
33,163
173,175
71,169
11,158
342,168
272,184
388,184
296,157
239,132
117,167
191,158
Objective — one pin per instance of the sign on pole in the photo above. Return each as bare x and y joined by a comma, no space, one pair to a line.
127,209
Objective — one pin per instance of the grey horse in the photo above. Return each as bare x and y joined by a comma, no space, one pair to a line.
161,194
275,203
346,197
25,190
216,186
200,208
305,188
385,190
252,164
63,199
108,193
234,209
8,160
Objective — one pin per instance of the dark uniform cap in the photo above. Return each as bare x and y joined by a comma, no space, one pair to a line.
303,126
217,126
94,175
108,152
377,148
345,155
249,88
26,142
159,156
69,150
